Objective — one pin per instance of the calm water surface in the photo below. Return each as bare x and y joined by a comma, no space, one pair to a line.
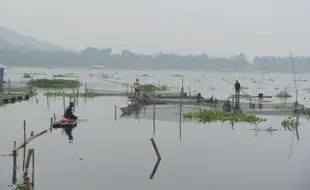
119,155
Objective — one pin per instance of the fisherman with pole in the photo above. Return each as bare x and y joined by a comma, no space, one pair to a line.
237,90
136,85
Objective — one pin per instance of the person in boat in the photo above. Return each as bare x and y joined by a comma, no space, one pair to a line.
237,89
136,85
199,97
69,112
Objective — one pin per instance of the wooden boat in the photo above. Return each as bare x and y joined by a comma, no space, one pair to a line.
59,124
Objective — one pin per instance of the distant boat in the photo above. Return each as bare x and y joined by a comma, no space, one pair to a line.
98,66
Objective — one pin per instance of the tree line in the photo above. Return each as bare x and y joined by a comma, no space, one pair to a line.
126,59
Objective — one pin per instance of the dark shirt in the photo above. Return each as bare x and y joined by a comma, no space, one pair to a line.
237,86
68,112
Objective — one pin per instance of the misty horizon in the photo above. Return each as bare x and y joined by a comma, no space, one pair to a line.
219,28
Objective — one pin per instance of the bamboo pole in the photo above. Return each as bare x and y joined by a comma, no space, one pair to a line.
64,100
24,151
33,164
155,149
14,164
154,113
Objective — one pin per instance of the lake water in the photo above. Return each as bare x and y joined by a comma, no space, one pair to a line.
119,155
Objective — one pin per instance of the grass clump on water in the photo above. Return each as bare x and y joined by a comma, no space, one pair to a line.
151,88
289,123
210,116
27,76
72,95
54,83
283,94
64,75
278,107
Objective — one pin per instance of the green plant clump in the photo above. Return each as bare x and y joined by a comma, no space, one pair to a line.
72,95
241,96
278,107
27,76
54,83
64,75
289,123
151,88
283,94
208,116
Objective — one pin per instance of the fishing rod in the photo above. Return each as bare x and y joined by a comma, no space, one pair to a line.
296,111
233,85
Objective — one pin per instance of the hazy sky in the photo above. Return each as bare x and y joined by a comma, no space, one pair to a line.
218,27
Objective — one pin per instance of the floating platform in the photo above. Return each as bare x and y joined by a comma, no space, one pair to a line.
6,98
157,94
243,96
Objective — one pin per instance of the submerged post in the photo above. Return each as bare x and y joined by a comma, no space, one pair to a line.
85,86
296,126
156,149
51,126
47,98
32,170
14,165
24,149
181,101
64,100
115,113
154,112
77,90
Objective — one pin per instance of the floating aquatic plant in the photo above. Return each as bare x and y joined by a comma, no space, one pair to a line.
208,116
283,94
279,107
54,83
27,76
72,95
64,75
289,123
151,87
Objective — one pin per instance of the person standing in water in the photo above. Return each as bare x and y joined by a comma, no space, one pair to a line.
237,89
137,87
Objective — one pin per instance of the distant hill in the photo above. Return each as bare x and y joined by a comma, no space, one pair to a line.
13,40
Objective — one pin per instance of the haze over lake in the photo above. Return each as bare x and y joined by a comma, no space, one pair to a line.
119,155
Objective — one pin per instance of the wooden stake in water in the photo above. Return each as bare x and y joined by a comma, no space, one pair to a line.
64,100
14,164
51,125
115,113
156,149
33,169
181,101
296,103
47,98
154,114
24,149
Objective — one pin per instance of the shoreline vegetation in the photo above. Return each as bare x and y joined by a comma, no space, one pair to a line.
54,83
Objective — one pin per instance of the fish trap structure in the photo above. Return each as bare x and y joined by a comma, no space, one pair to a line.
60,125
171,109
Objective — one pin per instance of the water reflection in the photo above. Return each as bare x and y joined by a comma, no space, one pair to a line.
155,169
